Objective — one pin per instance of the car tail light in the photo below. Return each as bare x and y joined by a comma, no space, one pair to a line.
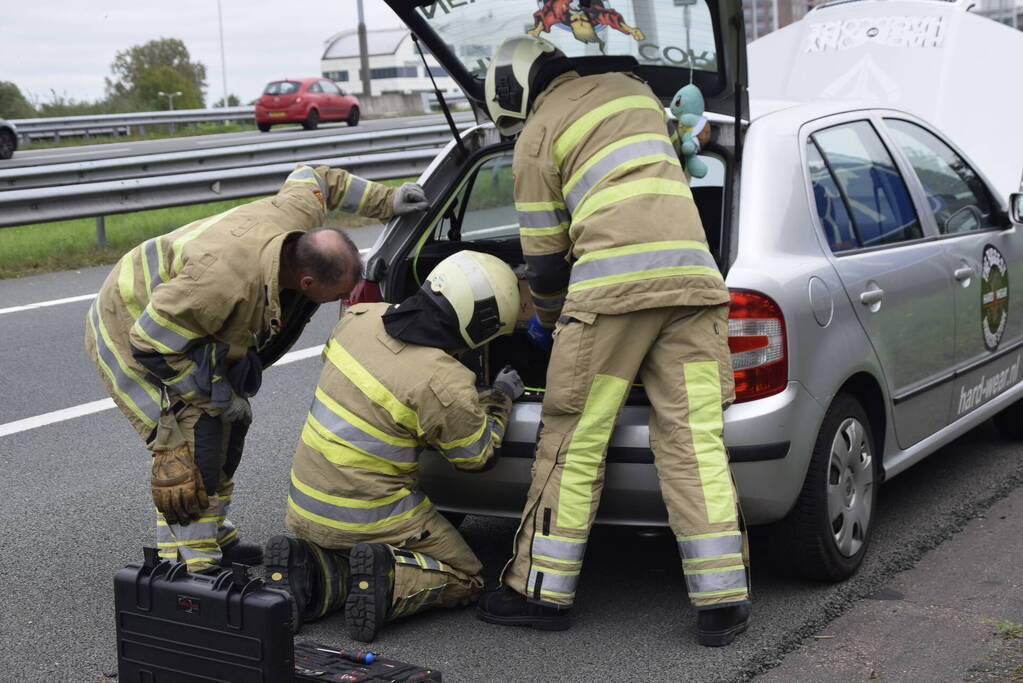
365,292
756,338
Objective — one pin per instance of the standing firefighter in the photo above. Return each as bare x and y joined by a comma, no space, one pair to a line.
369,540
620,268
185,323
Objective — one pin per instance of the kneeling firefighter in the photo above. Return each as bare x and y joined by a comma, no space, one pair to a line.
369,541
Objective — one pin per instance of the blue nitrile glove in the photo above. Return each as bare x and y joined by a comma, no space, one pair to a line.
541,337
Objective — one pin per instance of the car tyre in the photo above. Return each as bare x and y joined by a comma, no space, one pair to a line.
353,116
263,127
826,535
1009,422
312,119
7,144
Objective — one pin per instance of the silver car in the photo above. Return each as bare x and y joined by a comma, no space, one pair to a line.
868,261
8,139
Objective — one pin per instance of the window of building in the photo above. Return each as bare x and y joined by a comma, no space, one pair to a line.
339,76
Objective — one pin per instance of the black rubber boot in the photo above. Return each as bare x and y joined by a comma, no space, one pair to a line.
299,567
509,608
372,585
718,627
242,552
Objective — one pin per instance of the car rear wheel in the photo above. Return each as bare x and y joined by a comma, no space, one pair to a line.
353,117
6,144
826,534
1009,422
312,119
263,127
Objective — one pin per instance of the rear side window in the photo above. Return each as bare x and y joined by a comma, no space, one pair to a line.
827,198
956,194
866,179
315,87
282,88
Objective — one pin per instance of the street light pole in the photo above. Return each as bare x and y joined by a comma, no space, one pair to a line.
363,53
170,102
223,63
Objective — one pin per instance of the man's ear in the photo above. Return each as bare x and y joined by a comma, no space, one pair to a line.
305,282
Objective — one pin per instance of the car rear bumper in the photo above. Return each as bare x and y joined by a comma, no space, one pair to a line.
770,441
292,114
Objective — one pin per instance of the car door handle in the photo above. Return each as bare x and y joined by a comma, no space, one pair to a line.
871,297
964,273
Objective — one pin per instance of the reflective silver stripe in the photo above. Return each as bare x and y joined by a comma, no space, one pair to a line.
643,261
428,562
566,551
126,384
186,384
613,160
346,431
696,548
496,428
731,579
307,173
353,195
555,583
165,336
152,254
543,219
347,515
478,282
473,450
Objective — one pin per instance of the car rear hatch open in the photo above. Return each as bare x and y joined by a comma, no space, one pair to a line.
669,43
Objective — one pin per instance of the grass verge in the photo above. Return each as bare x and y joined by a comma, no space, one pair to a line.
67,245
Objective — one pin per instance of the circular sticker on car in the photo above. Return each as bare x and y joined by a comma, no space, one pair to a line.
994,296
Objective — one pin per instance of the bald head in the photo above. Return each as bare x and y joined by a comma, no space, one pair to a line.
326,264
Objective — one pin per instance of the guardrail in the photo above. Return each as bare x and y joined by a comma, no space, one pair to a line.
101,123
262,153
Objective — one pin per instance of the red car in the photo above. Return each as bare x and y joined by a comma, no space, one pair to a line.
307,101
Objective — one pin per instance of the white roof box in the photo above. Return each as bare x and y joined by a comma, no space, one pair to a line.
958,70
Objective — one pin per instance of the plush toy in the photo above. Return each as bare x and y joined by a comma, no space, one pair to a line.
694,130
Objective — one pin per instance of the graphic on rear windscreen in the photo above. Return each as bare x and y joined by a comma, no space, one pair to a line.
994,296
586,21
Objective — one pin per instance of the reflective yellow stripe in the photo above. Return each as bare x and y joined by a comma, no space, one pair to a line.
713,594
371,387
170,325
465,441
349,526
586,451
587,122
341,501
697,537
198,541
546,558
644,275
642,248
361,424
347,455
603,153
700,560
539,206
541,232
560,572
219,518
716,569
126,286
131,374
325,574
179,243
633,188
706,423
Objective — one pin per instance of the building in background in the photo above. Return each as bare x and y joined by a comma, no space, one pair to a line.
395,66
1008,12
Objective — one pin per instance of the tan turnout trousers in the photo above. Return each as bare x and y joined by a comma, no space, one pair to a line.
681,355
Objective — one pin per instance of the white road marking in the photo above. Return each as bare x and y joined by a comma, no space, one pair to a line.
42,304
106,404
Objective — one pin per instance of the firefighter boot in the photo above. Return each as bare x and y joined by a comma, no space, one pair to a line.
372,587
718,627
241,552
315,577
510,608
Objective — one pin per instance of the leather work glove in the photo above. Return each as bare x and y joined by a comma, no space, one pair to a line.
177,486
509,383
238,410
541,337
410,198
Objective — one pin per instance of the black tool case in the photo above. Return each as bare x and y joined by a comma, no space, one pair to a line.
177,627
322,664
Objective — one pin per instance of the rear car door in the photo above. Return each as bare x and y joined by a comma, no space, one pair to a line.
897,280
984,254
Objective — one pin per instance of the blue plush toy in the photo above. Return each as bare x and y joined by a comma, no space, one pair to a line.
687,106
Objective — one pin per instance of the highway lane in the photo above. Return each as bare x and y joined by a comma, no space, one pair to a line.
75,508
121,149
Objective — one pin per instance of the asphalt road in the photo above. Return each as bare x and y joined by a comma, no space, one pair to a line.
59,155
75,507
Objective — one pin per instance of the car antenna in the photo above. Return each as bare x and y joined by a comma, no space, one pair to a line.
440,98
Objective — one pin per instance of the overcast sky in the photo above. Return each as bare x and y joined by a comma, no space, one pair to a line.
68,45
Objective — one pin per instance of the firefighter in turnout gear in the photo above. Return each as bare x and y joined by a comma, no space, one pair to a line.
620,270
369,540
185,323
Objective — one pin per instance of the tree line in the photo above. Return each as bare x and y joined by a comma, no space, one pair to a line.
137,76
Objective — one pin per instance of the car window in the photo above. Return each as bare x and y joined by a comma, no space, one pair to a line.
875,193
830,205
489,203
282,88
329,87
315,87
956,194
